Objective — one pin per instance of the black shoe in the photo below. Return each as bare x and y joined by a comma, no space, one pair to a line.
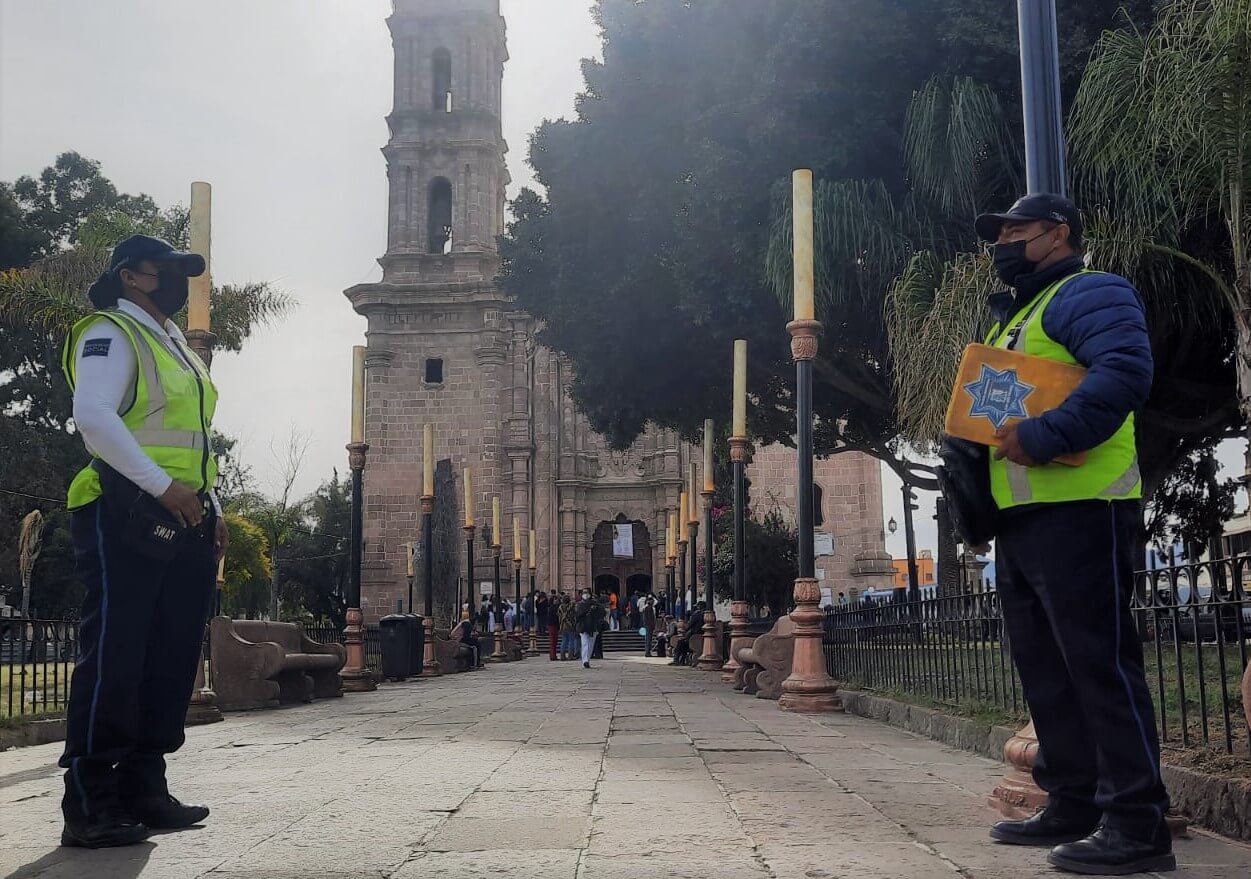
586,665
106,830
166,813
1109,852
1044,829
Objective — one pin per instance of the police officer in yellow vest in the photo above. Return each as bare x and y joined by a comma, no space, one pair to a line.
1065,548
147,533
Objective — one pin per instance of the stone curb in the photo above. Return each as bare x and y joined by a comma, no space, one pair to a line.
34,732
1219,804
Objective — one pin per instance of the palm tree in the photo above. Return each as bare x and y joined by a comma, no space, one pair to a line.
1161,134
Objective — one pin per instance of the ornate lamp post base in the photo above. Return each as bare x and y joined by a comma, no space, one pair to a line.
710,658
738,638
809,690
498,654
356,677
430,658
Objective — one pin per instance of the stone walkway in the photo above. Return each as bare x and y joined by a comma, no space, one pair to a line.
546,771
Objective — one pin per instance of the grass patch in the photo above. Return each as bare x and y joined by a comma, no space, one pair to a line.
34,689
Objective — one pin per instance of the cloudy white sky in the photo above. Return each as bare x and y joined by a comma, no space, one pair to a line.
280,105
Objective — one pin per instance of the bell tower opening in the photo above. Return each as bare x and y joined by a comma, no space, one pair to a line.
440,213
441,76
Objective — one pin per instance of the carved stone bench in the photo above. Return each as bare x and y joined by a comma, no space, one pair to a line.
259,664
767,661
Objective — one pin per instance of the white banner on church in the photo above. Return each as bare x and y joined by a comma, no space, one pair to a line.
623,541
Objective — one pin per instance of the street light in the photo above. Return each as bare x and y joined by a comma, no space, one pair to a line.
892,526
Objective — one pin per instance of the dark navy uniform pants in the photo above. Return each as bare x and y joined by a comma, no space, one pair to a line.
139,643
1065,573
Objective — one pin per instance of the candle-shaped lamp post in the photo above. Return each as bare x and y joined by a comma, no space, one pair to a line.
469,528
710,659
430,661
738,461
809,689
497,655
671,559
199,289
534,564
356,677
692,530
203,707
518,628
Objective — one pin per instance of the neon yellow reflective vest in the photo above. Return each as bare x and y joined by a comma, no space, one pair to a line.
1110,471
170,411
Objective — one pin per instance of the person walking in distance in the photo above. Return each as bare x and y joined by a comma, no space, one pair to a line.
147,532
540,616
1066,548
588,616
648,629
614,617
568,632
552,622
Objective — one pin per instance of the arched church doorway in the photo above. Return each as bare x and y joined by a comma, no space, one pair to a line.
621,557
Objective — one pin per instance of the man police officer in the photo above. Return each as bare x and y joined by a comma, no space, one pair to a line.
1066,538
147,533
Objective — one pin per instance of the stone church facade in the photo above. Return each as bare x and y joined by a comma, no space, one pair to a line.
446,347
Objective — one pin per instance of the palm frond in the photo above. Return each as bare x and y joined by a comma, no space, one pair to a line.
861,242
957,144
932,311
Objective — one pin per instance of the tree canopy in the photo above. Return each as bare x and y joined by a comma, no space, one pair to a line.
647,254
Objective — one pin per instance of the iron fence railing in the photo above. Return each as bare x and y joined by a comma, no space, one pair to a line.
36,662
1194,621
950,649
327,633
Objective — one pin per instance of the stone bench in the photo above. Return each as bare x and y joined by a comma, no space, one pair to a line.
766,662
259,664
453,656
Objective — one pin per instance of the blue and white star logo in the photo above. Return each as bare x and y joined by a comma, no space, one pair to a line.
998,395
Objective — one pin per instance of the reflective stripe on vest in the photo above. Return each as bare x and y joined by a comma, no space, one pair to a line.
169,409
1111,469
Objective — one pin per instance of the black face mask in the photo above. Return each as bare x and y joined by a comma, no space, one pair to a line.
171,291
1011,263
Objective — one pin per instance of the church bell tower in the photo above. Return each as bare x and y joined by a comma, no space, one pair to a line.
444,346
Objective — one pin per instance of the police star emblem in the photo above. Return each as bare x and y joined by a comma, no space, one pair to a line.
998,395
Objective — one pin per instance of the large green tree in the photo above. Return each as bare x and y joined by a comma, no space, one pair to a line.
646,255
56,231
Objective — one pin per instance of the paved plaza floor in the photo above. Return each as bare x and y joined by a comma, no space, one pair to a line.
542,770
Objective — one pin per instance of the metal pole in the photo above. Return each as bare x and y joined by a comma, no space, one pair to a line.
681,579
740,500
1045,167
356,677
803,385
710,657
427,536
914,584
469,584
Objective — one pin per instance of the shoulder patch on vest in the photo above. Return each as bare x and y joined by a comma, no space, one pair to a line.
97,347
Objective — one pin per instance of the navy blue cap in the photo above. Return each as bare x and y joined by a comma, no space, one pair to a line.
1039,206
137,248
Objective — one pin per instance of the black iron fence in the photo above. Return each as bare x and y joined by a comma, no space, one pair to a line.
949,649
1194,621
36,662
327,633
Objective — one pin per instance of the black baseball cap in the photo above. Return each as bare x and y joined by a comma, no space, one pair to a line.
1039,206
137,248
107,289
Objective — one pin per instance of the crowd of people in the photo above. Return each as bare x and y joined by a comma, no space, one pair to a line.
572,624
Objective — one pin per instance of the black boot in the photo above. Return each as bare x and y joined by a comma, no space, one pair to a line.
1109,852
1047,828
166,813
109,828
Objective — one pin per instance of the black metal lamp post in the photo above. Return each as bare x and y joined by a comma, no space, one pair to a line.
710,656
809,689
430,661
356,676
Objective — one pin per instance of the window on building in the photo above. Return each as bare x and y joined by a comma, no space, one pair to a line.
442,76
818,518
440,215
434,370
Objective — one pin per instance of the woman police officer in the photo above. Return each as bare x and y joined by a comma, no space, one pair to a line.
147,533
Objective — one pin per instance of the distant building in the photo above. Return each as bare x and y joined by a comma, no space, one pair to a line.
925,570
